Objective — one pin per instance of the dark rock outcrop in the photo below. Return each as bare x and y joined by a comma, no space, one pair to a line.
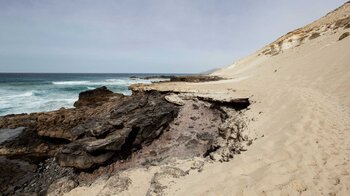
195,78
85,137
134,122
186,78
147,128
93,98
157,77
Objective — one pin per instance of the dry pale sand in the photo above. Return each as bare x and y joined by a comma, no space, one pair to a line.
301,107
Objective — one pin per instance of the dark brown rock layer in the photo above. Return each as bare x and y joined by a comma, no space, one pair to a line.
195,78
188,78
134,122
89,136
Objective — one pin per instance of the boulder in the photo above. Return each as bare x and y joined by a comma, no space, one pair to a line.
95,97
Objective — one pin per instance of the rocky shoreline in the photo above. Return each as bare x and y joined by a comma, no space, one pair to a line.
184,78
54,152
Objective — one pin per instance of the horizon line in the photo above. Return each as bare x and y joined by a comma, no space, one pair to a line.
94,73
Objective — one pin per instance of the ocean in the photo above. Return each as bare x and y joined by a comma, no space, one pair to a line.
34,92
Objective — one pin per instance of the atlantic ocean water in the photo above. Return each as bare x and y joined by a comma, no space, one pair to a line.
34,92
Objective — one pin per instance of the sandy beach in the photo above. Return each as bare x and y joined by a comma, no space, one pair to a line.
276,122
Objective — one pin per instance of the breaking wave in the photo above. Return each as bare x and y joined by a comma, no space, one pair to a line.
46,92
107,82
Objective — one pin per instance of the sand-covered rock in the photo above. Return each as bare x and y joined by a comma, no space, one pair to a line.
62,186
232,139
173,98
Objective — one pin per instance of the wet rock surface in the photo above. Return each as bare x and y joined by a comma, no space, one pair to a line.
146,129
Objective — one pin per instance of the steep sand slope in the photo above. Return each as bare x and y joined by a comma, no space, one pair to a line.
304,97
300,110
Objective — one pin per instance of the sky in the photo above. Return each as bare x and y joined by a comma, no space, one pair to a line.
143,36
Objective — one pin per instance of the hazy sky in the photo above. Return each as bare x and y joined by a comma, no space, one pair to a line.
144,35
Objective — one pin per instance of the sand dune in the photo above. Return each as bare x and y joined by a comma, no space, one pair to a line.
300,114
304,96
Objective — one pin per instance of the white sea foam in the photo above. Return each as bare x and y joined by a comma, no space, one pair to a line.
16,101
71,82
101,83
47,97
10,96
26,94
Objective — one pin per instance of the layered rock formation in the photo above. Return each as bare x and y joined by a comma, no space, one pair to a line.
86,137
188,78
135,121
331,22
108,132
